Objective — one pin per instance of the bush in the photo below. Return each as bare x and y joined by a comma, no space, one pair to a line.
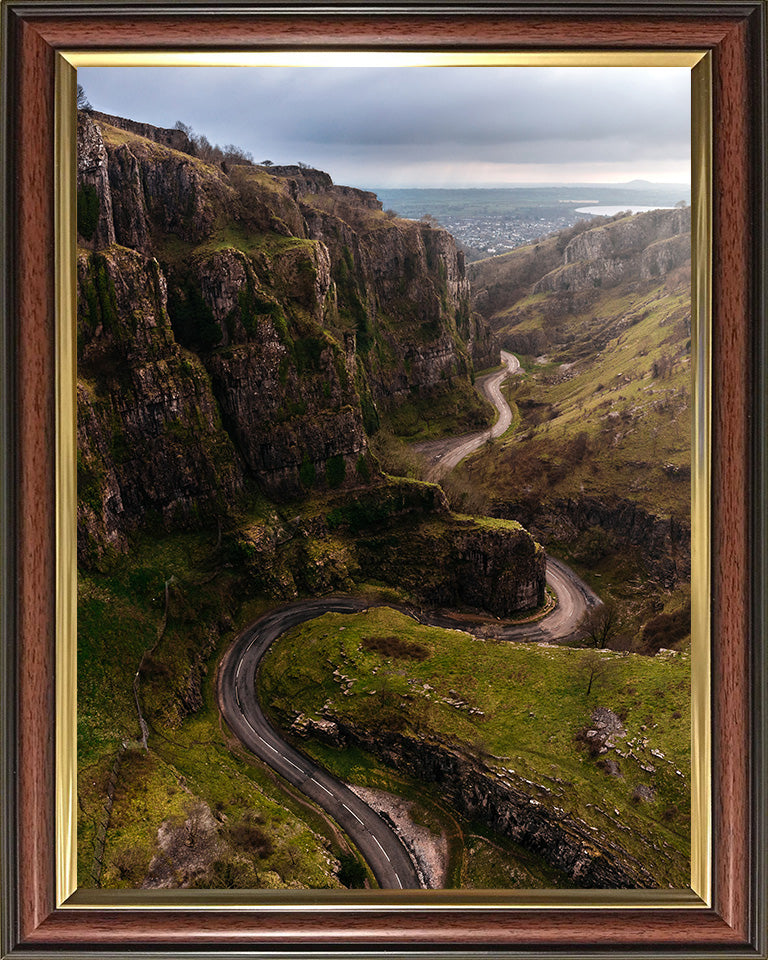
248,835
396,647
464,496
577,448
351,872
666,629
363,468
131,863
307,472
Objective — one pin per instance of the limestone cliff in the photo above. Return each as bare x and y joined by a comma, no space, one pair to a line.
488,792
624,249
150,437
268,312
662,543
475,564
593,254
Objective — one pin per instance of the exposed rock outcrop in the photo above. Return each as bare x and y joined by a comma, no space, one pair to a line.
169,137
662,544
459,563
663,256
491,794
150,438
267,312
93,173
623,249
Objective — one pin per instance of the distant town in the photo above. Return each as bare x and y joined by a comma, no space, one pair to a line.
487,236
487,222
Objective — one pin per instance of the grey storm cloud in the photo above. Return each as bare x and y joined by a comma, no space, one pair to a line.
373,118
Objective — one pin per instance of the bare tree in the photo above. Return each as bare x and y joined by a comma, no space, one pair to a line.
593,668
600,625
235,154
83,103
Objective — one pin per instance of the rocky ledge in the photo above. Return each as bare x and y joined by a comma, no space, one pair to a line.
519,809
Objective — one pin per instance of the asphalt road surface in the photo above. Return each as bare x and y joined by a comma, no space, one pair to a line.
443,455
236,681
574,597
236,689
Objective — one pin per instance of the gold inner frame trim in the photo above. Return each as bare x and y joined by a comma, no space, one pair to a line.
65,132
379,58
67,896
701,480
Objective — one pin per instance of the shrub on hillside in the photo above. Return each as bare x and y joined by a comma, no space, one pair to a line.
351,872
335,470
667,629
87,211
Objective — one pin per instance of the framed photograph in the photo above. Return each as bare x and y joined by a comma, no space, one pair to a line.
383,518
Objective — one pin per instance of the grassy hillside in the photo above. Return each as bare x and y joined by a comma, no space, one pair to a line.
167,610
607,412
523,709
193,783
598,459
500,281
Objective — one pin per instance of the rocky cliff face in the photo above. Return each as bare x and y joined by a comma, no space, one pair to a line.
468,564
267,312
523,811
662,544
398,533
624,249
150,437
176,139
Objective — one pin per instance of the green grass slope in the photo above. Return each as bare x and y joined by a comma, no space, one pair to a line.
608,412
192,805
522,708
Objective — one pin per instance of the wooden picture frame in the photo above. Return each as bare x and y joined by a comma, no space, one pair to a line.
735,923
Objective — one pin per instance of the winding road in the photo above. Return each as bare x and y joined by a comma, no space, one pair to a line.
443,455
236,679
574,597
236,691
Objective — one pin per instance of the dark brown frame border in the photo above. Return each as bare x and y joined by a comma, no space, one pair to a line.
735,33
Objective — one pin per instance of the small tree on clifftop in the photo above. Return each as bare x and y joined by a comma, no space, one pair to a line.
592,668
83,103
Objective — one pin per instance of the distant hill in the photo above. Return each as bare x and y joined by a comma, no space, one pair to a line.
503,201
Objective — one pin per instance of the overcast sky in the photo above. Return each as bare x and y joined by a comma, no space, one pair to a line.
425,126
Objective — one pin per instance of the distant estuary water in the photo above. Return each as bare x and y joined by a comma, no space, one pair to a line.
598,210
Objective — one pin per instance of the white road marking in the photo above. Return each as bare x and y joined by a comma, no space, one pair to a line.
382,849
322,786
255,638
293,764
353,813
398,881
237,672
